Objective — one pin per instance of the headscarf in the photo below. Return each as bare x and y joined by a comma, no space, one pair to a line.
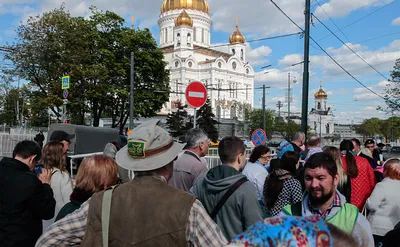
288,231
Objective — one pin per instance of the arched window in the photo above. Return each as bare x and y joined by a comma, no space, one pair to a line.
189,39
202,35
233,111
327,128
319,106
166,35
178,39
233,51
241,54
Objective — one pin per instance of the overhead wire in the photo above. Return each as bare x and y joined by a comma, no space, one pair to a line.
334,60
372,67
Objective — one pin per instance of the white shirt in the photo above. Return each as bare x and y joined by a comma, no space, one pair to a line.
256,173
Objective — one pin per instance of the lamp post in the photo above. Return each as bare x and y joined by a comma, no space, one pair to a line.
290,94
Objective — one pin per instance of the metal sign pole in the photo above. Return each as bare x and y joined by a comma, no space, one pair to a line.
194,116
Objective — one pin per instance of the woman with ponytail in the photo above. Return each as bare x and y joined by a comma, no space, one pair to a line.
361,175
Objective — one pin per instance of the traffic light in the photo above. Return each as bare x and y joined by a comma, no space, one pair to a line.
66,121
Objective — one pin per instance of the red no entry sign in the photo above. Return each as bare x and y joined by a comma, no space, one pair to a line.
196,94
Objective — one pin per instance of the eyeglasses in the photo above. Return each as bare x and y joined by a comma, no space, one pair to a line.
268,157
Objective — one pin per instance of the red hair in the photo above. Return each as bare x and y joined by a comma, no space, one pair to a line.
392,168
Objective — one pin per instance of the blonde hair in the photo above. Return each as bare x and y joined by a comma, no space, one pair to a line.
53,156
96,172
392,168
335,153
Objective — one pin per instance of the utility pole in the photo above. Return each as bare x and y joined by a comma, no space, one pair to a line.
263,107
219,106
279,105
132,90
304,105
289,98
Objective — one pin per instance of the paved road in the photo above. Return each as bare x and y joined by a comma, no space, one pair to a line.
391,155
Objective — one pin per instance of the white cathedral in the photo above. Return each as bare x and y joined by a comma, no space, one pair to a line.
185,39
321,119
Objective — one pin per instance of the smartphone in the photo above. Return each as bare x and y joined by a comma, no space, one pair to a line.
38,169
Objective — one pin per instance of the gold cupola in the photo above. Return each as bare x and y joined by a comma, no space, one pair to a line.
320,94
199,5
237,37
183,20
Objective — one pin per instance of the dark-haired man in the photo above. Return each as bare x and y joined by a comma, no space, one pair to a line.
376,152
357,150
25,199
322,198
226,194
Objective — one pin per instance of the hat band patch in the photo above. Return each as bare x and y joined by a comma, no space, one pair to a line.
136,149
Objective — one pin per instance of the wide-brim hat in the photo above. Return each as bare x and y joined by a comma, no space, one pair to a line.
149,147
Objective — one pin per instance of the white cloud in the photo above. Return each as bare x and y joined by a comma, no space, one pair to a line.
396,22
275,78
369,108
340,8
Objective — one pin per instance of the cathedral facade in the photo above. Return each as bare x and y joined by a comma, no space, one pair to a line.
185,38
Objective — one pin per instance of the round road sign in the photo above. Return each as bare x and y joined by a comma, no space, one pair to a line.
259,137
196,94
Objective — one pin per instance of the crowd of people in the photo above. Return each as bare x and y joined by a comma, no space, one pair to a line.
309,196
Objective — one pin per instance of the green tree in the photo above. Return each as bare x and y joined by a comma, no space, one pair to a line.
255,120
370,127
393,90
390,128
206,121
177,121
95,52
286,129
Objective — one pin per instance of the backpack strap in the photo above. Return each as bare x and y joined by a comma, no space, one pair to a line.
105,213
193,155
296,208
226,196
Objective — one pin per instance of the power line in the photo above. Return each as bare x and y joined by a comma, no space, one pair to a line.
359,19
379,37
372,67
322,49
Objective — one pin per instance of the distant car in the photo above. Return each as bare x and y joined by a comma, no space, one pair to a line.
395,149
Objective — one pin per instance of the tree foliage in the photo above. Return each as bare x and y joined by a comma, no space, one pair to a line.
95,53
178,121
206,121
388,128
393,89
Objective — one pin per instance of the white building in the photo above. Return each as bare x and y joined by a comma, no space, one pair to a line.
185,39
321,119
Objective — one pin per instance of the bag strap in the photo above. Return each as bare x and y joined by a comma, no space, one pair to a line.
105,214
192,154
296,208
226,196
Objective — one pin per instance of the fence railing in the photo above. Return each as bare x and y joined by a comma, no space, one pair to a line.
9,141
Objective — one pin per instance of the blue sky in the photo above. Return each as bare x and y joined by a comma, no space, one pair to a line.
376,38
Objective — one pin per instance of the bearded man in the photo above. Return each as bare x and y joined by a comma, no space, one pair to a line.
323,199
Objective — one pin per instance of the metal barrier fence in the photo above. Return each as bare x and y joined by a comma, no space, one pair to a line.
8,142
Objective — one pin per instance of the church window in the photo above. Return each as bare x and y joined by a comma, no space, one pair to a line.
318,106
190,64
178,38
202,35
176,64
166,35
234,65
233,111
241,54
189,39
327,128
219,64
233,51
247,71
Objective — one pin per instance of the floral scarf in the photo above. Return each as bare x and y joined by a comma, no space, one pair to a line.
290,231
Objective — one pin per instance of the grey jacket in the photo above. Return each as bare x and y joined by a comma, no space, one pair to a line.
111,151
240,211
362,230
187,168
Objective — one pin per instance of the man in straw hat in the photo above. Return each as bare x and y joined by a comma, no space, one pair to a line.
143,212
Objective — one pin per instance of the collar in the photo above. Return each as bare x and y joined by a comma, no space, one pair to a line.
151,174
14,164
314,210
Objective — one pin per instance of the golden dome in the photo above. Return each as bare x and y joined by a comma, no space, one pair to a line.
237,37
320,94
183,20
199,5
